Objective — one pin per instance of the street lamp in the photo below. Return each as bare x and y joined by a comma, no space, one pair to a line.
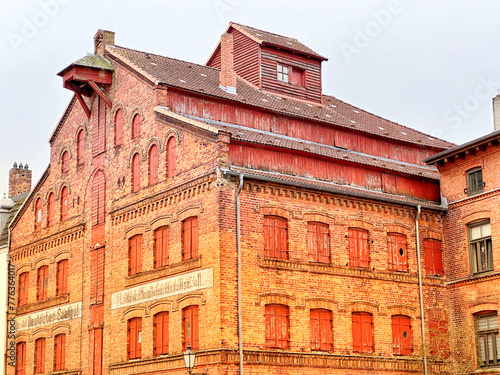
189,358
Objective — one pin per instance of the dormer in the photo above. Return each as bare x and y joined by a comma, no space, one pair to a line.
273,63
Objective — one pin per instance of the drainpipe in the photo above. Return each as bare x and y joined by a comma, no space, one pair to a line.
238,238
417,231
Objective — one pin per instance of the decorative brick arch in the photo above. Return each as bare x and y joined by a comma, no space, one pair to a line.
154,141
64,254
363,306
42,261
274,210
402,310
61,328
321,303
161,221
278,298
63,184
430,233
191,210
135,229
64,148
399,228
161,306
360,223
118,105
484,306
40,333
189,300
134,312
25,267
172,133
476,216
319,217
137,149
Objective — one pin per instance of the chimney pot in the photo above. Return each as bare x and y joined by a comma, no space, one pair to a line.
19,180
227,77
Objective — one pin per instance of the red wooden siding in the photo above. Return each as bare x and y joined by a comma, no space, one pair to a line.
80,147
135,254
40,356
62,277
153,165
23,288
51,209
439,340
60,352
98,199
21,358
277,326
321,330
97,276
362,332
190,238
275,237
119,127
398,256
65,162
136,126
134,338
401,335
161,247
161,333
95,357
190,325
136,173
358,247
42,283
318,242
171,156
433,257
64,203
38,214
98,120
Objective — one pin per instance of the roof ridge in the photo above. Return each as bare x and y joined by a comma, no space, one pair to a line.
267,32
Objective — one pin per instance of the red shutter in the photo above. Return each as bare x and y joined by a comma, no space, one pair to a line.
438,258
136,126
136,173
190,326
401,334
270,326
363,248
119,127
65,162
297,77
318,241
59,352
80,147
171,157
21,358
282,329
135,254
23,289
95,343
98,198
42,282
62,277
275,237
38,214
161,333
64,203
196,334
433,257
190,238
161,247
325,330
97,276
358,247
398,257
153,165
402,253
366,333
312,243
99,129
40,356
194,237
315,330
134,338
51,209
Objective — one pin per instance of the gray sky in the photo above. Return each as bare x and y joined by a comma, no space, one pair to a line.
432,65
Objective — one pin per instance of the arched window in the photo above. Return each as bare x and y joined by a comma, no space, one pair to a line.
153,165
65,162
80,147
318,242
38,214
190,238
277,326
136,126
22,293
64,203
161,247
62,277
42,286
275,237
119,127
98,198
321,329
51,202
136,173
358,247
362,332
171,162
135,254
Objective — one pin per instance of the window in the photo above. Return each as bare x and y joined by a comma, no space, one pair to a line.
190,327
153,165
64,203
119,127
321,330
171,161
275,237
161,333
134,338
135,254
362,332
475,182
95,340
38,213
297,77
282,71
136,173
358,247
401,335
277,322
438,332
398,258
488,345
99,128
65,162
60,352
98,199
62,277
161,247
42,283
51,202
433,257
40,356
318,242
23,289
136,126
97,276
80,147
190,238
21,358
481,251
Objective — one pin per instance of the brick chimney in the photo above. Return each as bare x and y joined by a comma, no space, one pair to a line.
227,78
103,38
19,179
496,112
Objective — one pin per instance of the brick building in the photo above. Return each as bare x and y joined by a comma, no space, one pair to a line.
233,208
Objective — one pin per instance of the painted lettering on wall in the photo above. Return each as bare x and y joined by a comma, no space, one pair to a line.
51,316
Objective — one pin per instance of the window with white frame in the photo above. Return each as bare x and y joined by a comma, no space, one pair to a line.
283,73
481,252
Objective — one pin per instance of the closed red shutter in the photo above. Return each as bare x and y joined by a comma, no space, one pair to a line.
171,156
398,257
99,129
161,247
190,238
318,241
97,276
362,332
438,258
136,126
42,282
98,198
64,203
65,162
134,338
62,277
40,356
51,209
161,333
135,254
358,247
315,330
196,325
433,257
80,158
95,343
401,334
59,352
23,289
119,127
297,77
153,165
136,173
38,214
21,358
190,327
277,326
356,333
275,237
321,328
312,244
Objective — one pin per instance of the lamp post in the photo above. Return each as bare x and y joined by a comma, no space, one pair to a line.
189,358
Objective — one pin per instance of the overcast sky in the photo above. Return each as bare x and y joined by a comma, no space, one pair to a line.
432,65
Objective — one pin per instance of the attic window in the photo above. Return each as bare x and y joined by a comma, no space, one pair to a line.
283,73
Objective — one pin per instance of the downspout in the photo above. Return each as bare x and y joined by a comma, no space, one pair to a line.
238,239
420,292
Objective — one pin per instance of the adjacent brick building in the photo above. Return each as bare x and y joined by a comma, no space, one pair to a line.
233,208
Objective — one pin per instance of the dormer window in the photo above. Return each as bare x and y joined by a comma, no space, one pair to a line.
475,182
289,74
283,75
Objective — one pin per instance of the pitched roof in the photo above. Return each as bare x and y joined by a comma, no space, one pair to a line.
204,80
62,120
19,200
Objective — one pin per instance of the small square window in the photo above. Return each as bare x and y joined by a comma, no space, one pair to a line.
475,184
283,73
